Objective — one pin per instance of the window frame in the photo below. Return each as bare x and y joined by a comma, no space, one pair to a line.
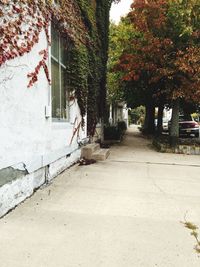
61,67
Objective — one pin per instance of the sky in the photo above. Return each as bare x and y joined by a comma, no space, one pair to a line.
121,9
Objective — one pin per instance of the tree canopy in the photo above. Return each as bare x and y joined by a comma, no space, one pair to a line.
166,48
160,61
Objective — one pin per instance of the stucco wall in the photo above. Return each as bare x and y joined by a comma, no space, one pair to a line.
33,148
24,184
25,131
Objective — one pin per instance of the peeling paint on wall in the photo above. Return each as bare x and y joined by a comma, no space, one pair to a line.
30,141
22,185
10,174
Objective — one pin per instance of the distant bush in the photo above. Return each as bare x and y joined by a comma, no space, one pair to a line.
121,125
115,132
136,115
111,133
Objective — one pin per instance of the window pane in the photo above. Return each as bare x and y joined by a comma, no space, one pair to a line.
56,112
59,61
63,51
54,43
64,107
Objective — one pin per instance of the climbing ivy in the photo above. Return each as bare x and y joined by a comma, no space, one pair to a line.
95,15
84,22
77,75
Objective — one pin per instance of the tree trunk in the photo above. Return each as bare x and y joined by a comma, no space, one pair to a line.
160,119
149,123
174,129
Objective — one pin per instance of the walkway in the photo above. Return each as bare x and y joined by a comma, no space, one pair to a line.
124,212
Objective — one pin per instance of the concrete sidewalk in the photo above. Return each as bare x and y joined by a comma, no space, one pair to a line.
124,212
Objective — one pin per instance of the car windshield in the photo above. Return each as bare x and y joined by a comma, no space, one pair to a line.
185,118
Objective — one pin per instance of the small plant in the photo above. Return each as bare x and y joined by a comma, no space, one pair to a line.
194,232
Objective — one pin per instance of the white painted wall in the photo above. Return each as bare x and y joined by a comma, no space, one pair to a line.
119,112
125,114
13,193
25,131
28,140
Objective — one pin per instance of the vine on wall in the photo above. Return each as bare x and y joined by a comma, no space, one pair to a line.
84,22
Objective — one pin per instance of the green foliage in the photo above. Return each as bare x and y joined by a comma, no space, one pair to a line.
84,23
134,92
164,54
112,132
137,115
77,73
196,116
119,39
88,14
87,66
159,63
183,21
122,127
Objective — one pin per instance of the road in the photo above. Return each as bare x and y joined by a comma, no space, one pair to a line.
124,212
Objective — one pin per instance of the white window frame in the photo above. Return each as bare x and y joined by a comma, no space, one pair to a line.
61,65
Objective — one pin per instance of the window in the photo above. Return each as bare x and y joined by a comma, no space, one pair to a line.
58,72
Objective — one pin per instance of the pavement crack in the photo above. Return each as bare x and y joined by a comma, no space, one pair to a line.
153,182
157,163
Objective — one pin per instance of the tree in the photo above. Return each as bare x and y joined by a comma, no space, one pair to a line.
166,52
132,91
119,38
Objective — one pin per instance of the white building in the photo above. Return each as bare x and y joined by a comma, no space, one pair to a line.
40,127
118,112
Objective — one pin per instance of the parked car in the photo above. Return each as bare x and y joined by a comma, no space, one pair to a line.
187,126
